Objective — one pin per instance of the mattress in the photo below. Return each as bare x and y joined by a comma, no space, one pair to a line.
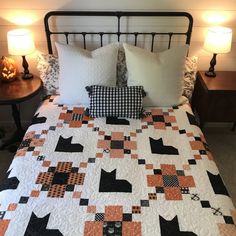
73,175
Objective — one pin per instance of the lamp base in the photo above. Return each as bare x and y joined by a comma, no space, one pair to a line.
210,73
27,76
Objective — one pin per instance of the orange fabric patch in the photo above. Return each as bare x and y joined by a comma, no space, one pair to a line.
159,125
147,119
75,124
35,193
91,209
105,144
197,157
117,153
101,132
130,145
186,167
29,135
3,226
170,119
76,195
186,181
78,110
168,169
65,116
113,213
12,207
93,228
134,156
36,153
46,163
189,134
197,145
149,166
226,229
99,155
90,125
155,181
117,135
83,164
172,193
133,134
156,112
131,228
175,128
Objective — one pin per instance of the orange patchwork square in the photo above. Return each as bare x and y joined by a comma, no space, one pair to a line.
105,144
20,152
189,134
117,153
130,145
76,195
101,132
131,228
113,213
159,125
155,181
75,124
12,207
186,181
149,166
46,163
147,119
175,128
168,169
134,156
90,125
36,153
170,119
117,135
172,193
78,110
35,193
186,167
133,134
65,116
37,142
29,135
3,226
156,112
99,155
83,164
93,228
91,209
197,145
197,157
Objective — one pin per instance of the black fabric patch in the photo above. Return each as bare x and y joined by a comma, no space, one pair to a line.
37,226
217,184
192,120
116,121
112,228
9,183
60,178
171,228
65,145
158,147
109,183
38,120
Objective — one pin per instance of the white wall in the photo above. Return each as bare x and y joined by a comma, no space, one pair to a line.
203,12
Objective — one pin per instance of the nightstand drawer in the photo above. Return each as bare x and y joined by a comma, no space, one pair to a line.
221,108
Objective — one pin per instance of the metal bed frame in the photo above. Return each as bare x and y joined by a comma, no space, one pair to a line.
118,32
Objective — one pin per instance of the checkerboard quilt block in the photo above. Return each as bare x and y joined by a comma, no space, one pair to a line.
73,175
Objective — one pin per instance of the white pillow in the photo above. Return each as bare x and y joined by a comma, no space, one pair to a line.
159,73
80,68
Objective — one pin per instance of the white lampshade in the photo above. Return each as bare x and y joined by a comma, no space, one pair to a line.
218,40
20,42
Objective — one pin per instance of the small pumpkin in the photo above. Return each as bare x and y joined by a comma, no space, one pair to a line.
8,69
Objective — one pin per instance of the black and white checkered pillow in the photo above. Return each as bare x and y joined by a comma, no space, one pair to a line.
126,102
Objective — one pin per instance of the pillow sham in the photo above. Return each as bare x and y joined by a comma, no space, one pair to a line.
80,68
48,67
159,73
190,70
125,102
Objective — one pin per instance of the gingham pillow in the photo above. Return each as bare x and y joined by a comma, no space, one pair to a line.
126,102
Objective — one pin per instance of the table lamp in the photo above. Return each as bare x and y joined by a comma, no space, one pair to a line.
218,40
20,43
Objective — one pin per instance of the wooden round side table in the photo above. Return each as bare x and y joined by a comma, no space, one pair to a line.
16,92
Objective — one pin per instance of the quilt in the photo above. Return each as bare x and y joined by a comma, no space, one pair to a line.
73,175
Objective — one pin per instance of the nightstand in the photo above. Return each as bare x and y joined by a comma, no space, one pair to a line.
13,93
214,99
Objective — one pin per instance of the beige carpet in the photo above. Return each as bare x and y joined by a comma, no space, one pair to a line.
222,143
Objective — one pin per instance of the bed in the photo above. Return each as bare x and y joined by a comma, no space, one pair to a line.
77,175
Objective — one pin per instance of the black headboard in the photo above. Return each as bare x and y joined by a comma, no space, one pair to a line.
118,31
